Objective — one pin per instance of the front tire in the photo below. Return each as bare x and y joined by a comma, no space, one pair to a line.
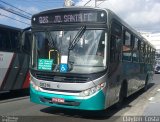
122,96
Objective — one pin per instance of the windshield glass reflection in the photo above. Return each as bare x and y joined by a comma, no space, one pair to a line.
51,50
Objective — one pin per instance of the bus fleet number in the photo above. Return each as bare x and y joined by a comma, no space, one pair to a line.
43,19
45,85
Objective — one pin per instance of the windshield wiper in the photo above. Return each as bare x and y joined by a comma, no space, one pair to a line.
73,44
77,38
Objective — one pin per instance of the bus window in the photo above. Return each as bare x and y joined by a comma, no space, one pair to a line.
27,43
135,56
146,53
101,45
142,46
42,45
127,47
85,52
116,32
5,42
153,56
14,37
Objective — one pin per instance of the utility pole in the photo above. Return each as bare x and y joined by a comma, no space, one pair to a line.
68,3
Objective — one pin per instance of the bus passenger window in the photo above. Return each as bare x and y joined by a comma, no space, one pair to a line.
115,42
142,47
14,41
127,47
135,55
27,43
5,41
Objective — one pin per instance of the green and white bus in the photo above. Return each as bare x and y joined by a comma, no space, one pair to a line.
86,58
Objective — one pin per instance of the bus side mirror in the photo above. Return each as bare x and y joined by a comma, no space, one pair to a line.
26,40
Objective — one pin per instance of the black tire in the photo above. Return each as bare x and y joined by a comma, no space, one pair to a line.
122,95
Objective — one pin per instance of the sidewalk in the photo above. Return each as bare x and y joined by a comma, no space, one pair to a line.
153,108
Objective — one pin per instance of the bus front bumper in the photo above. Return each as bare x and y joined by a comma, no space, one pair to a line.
94,102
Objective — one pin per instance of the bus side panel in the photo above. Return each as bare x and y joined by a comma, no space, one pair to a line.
17,73
131,73
6,60
150,72
12,74
23,71
142,76
114,84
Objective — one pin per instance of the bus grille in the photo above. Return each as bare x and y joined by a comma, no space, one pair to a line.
58,90
66,79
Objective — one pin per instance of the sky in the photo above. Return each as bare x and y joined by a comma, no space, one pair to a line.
30,6
143,15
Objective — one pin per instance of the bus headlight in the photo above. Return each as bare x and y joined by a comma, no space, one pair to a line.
92,90
35,86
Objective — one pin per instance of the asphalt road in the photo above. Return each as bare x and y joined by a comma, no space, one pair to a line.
153,107
22,110
156,79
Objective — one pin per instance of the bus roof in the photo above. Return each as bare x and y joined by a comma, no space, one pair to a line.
9,27
67,9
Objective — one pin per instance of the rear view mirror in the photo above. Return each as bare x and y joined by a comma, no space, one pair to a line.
26,40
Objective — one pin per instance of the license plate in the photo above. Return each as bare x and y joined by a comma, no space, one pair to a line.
58,100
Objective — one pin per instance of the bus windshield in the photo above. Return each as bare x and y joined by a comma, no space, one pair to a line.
50,51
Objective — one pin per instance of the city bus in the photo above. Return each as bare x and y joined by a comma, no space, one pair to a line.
87,59
14,62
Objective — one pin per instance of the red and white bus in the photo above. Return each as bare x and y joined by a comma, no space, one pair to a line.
14,61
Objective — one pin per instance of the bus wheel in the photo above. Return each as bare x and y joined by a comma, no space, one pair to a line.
122,95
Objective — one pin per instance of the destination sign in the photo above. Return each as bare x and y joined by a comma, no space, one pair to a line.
70,17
